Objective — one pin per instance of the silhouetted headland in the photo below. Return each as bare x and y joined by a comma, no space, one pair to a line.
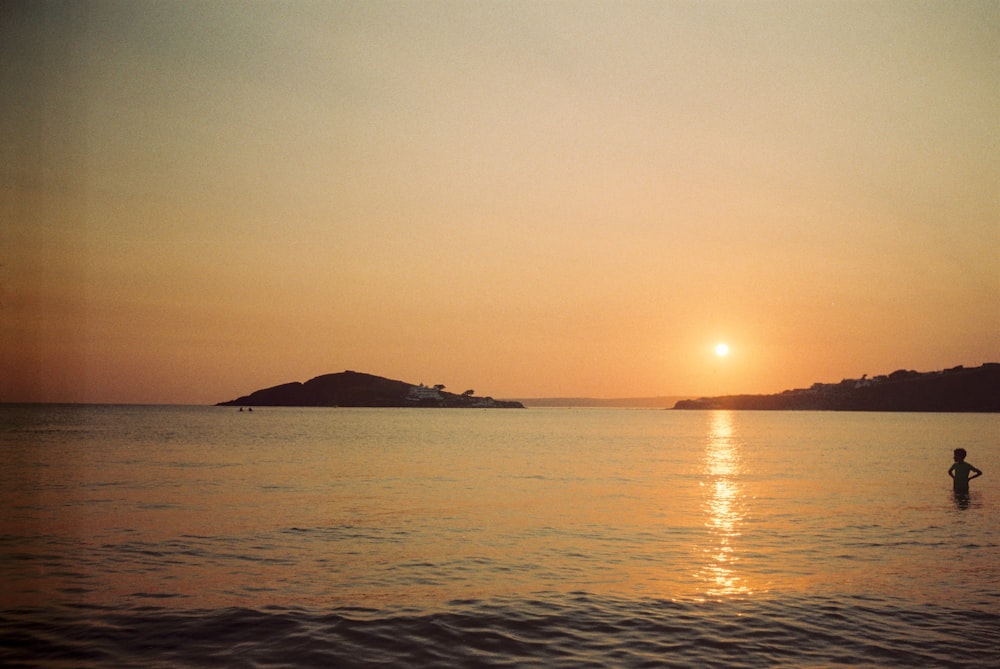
355,389
976,389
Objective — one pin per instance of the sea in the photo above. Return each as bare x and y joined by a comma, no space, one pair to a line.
182,536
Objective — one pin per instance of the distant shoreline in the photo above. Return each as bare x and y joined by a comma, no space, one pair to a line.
958,389
659,402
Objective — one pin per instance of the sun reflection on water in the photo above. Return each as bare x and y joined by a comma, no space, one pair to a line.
724,508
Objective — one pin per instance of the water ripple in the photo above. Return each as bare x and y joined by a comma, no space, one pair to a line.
575,630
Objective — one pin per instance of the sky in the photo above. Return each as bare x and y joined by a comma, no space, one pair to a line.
523,198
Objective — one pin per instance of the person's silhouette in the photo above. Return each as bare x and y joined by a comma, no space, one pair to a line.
959,472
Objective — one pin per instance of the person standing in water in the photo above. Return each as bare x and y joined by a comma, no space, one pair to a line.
959,472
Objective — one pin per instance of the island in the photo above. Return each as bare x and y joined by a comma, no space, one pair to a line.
356,389
959,389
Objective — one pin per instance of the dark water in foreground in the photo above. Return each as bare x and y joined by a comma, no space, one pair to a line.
201,537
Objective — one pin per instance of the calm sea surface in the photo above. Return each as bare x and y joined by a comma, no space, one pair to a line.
206,537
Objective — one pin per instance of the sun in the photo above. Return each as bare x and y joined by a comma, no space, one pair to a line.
722,349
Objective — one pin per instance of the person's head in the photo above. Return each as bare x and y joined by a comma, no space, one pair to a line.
959,454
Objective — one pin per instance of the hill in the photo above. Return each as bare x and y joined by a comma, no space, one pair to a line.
958,389
355,389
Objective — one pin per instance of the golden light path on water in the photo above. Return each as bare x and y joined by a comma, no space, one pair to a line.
724,508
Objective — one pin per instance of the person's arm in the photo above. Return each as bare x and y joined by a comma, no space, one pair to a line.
951,471
977,473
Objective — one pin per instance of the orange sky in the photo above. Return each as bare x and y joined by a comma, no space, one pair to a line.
524,198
